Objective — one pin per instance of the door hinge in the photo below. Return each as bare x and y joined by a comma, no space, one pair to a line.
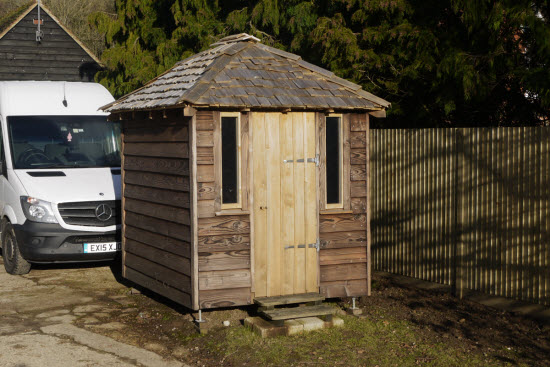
316,245
287,247
314,160
310,160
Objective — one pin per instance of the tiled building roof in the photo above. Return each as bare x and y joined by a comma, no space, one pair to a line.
240,72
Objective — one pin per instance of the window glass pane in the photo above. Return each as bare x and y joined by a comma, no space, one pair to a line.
230,168
333,159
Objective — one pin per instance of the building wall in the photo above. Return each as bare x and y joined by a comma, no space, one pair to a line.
156,205
224,262
344,255
58,57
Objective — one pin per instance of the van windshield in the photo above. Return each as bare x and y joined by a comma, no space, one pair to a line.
40,142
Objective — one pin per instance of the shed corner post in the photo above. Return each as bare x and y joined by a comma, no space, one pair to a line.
368,206
193,187
122,201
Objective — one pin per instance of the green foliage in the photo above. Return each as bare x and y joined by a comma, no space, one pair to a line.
440,62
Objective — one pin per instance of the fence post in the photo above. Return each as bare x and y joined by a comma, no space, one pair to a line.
458,165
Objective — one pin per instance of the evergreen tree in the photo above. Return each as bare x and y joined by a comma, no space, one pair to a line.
440,62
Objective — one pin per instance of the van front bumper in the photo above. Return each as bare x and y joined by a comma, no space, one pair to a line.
51,243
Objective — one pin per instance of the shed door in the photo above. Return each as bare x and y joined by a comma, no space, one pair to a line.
285,204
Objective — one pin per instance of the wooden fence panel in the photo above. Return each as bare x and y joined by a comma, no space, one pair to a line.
465,207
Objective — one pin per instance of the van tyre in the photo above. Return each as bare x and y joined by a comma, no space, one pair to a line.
13,261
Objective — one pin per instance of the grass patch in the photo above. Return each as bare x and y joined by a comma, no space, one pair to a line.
360,342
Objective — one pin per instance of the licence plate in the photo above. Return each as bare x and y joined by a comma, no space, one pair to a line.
101,247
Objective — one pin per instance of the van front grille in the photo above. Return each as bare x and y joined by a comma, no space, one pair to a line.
91,213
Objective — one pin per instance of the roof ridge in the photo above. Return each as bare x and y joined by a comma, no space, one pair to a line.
234,38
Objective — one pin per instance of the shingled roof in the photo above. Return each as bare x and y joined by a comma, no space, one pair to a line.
238,71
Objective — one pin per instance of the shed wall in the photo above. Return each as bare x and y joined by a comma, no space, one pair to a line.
57,57
223,241
156,206
344,255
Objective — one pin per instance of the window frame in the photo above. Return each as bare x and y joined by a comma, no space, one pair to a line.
239,203
345,164
340,204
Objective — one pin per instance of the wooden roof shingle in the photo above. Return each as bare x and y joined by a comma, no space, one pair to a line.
240,72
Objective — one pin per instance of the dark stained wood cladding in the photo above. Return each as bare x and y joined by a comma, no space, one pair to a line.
157,243
343,254
57,57
223,241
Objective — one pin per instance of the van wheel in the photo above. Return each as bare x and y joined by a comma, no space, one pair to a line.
13,261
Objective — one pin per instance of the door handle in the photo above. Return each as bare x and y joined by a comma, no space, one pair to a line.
263,207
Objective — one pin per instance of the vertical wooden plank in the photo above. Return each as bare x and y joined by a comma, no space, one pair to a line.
441,156
499,223
400,225
298,120
260,202
273,204
448,205
407,201
537,230
123,201
429,206
517,212
523,210
311,213
245,147
217,136
510,214
391,198
345,159
491,218
546,215
376,195
506,204
193,213
287,202
417,201
369,238
322,160
250,188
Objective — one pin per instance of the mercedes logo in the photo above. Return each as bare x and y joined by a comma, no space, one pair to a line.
103,212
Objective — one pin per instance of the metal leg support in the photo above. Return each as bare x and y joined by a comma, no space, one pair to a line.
200,320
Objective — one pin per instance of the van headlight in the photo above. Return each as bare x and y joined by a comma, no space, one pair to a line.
38,210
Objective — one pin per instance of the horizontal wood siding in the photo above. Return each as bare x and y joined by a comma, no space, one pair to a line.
223,241
157,243
343,256
57,57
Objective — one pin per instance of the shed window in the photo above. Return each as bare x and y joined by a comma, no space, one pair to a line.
230,160
334,161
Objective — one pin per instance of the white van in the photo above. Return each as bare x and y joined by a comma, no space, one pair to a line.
59,175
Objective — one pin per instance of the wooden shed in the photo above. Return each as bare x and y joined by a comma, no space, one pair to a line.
245,176
58,55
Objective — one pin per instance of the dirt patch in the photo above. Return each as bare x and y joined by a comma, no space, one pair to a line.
401,326
504,336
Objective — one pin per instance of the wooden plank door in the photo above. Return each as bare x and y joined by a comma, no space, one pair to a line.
285,214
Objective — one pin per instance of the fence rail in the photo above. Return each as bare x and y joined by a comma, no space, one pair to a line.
465,207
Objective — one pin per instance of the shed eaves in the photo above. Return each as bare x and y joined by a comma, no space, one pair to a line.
240,72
